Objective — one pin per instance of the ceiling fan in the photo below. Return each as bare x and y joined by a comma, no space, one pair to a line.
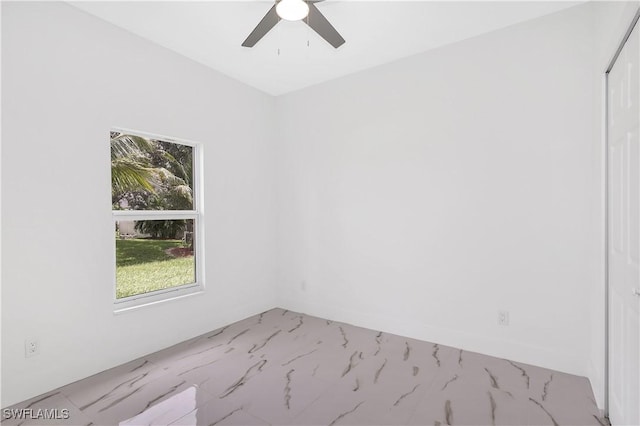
295,10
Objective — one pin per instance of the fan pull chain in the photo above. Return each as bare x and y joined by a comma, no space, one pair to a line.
308,28
279,38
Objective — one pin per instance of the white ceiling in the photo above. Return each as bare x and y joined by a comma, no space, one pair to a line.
376,32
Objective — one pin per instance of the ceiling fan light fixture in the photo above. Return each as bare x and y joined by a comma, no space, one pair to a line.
292,10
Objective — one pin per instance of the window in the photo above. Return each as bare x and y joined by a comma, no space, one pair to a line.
157,213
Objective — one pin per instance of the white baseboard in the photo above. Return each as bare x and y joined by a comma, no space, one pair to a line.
488,345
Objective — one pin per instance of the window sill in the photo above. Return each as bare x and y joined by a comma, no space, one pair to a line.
146,301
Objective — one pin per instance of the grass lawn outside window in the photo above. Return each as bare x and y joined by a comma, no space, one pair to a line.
145,265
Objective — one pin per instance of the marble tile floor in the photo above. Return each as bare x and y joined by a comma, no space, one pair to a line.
287,368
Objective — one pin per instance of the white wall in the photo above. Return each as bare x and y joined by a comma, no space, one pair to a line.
611,21
67,79
423,196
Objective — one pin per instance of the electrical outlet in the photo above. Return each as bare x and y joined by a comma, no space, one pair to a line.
31,348
503,317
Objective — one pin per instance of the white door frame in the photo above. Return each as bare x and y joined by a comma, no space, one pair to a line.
606,208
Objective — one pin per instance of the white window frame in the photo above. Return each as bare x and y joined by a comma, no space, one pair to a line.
139,300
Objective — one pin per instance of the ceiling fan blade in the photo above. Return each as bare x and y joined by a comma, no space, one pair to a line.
322,26
269,21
